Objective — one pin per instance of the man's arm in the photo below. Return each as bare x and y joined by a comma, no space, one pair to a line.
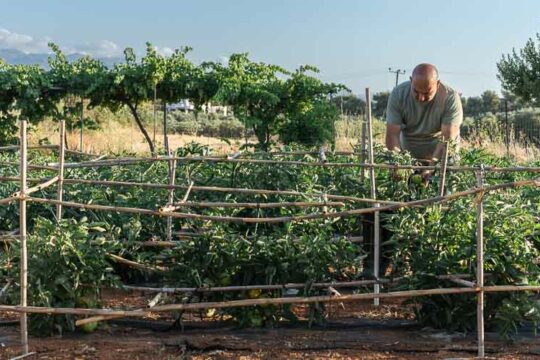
392,137
449,132
450,123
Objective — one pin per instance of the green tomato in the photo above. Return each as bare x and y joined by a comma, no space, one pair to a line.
416,179
256,320
89,327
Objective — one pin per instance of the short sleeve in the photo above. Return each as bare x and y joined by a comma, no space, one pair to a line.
453,111
393,113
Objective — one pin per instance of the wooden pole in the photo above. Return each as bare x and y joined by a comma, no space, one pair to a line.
293,218
165,137
36,147
172,176
223,189
444,164
363,148
82,126
262,301
61,158
480,265
38,187
154,106
373,190
22,237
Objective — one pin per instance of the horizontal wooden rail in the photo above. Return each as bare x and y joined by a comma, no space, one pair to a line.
285,219
263,301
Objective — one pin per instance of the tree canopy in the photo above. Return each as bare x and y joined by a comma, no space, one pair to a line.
264,97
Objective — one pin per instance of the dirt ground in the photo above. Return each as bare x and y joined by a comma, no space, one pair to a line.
354,331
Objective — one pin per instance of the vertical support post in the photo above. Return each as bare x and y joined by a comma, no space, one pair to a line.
172,173
82,126
480,264
363,148
22,226
165,136
61,158
444,165
507,134
373,188
154,105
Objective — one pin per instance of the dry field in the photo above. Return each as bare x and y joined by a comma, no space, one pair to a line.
119,137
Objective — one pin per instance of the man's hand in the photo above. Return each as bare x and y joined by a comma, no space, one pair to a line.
392,137
448,133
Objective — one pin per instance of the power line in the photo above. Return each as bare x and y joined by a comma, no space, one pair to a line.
397,72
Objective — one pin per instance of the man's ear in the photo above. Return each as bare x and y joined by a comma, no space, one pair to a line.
438,82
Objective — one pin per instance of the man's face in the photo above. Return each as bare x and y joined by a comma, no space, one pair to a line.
424,89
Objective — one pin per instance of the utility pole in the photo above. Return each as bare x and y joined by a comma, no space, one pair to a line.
397,72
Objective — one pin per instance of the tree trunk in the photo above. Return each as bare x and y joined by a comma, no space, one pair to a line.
133,110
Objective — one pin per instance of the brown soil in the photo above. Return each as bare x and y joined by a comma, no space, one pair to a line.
354,331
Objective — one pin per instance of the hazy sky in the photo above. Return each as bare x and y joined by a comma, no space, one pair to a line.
351,41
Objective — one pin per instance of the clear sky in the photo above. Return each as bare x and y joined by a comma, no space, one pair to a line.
351,41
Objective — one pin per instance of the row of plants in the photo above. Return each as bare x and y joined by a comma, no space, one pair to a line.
422,242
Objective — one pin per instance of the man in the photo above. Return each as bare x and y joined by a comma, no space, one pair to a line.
422,114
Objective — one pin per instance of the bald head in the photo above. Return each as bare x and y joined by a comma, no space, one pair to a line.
428,71
424,82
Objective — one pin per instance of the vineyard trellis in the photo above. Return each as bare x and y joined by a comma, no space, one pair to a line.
23,196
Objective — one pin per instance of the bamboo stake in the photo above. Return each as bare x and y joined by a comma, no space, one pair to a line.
20,357
322,155
480,265
37,147
98,318
235,155
5,289
37,188
373,191
136,265
9,200
463,282
444,165
253,205
61,156
291,153
172,175
363,150
30,167
263,301
285,219
76,152
22,230
225,190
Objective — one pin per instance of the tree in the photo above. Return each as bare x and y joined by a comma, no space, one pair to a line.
309,115
25,93
519,72
255,91
490,101
129,84
380,102
349,104
474,106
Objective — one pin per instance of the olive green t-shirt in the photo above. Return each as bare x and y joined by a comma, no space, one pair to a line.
421,122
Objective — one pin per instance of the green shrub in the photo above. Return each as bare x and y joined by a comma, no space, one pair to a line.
67,266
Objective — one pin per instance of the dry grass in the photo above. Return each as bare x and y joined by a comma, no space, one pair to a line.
118,137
